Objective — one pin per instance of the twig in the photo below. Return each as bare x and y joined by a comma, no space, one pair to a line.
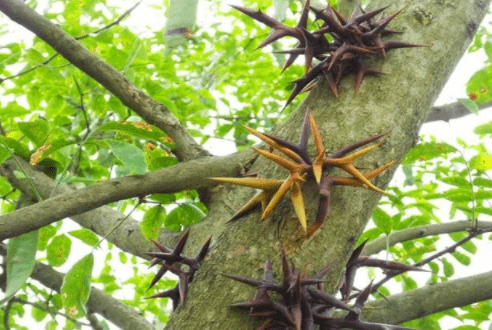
451,249
46,309
6,313
116,22
29,70
82,107
119,224
52,57
94,322
2,130
409,234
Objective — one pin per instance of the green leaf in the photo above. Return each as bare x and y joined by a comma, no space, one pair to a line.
38,314
45,233
15,146
483,182
183,215
409,283
382,220
133,158
448,267
58,250
123,257
76,287
483,129
478,87
21,259
51,325
86,236
4,154
470,105
462,258
427,151
481,162
35,130
456,181
152,222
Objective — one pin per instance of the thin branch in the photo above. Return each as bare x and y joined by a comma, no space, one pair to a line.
452,111
94,322
430,299
183,176
473,233
115,82
46,309
99,302
400,236
30,69
110,25
6,314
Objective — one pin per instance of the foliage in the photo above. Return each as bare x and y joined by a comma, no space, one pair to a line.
56,113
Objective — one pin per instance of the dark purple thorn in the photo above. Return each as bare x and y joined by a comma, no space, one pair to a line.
388,265
203,251
169,257
161,247
172,294
259,16
304,16
286,270
244,280
183,286
157,276
381,25
178,248
330,21
318,295
343,151
400,44
301,147
368,15
359,303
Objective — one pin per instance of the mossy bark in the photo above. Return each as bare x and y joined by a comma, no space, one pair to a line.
398,101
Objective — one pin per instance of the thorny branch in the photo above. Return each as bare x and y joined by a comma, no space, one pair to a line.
422,231
390,274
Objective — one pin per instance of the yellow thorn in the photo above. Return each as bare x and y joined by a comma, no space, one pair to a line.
257,183
298,202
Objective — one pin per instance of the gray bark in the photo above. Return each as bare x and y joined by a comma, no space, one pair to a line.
399,101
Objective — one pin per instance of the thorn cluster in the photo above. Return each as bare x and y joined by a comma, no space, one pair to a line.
301,167
304,303
340,44
166,258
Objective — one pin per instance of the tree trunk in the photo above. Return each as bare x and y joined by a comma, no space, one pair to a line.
398,102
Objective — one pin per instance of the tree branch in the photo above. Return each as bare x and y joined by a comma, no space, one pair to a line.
452,111
189,175
422,231
99,302
49,59
133,97
430,299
